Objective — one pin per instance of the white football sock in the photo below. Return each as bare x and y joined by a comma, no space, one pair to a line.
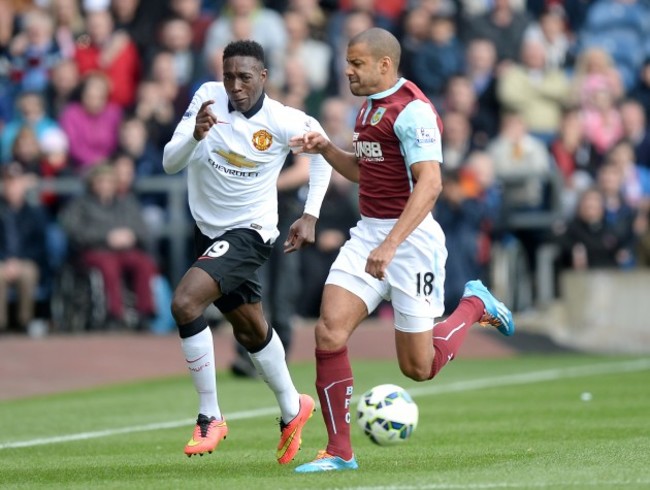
272,366
199,357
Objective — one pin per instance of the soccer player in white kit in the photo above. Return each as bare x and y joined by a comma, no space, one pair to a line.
397,250
234,140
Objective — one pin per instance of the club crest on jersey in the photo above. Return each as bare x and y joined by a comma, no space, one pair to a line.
376,117
262,140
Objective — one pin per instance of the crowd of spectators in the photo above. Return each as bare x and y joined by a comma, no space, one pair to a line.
526,90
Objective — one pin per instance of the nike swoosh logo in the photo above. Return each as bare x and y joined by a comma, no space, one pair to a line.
193,443
286,444
190,361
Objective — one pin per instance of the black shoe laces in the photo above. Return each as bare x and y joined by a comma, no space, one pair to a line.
204,424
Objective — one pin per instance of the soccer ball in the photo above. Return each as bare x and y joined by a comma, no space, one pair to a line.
387,414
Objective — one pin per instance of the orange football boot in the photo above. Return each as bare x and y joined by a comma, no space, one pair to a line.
290,433
207,435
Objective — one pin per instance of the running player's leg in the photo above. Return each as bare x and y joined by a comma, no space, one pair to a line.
267,353
196,290
417,294
268,356
347,301
477,305
349,296
421,357
420,353
449,335
341,312
224,274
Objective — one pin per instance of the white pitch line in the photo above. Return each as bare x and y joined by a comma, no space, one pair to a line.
534,377
247,414
494,485
475,384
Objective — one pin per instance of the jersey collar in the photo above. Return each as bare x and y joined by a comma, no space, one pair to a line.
389,91
253,110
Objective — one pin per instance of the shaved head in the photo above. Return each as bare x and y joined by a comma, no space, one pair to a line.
379,43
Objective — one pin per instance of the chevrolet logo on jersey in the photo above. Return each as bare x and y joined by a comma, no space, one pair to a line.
235,159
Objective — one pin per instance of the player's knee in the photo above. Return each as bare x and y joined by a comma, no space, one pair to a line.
184,309
329,337
416,372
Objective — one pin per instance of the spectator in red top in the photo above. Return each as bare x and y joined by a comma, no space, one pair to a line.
111,52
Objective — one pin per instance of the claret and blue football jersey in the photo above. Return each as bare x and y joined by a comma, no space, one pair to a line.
394,129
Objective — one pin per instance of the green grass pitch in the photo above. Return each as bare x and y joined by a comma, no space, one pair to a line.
484,424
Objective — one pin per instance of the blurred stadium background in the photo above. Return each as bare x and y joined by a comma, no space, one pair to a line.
545,104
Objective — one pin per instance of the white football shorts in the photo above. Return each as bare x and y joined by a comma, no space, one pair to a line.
414,280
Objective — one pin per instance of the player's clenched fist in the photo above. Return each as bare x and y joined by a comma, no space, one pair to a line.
205,119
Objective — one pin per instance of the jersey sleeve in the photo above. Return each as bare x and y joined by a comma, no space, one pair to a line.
187,122
179,149
319,176
419,133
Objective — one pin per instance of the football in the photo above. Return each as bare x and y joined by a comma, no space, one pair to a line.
387,414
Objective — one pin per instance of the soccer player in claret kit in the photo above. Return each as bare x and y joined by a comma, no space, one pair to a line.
234,140
397,250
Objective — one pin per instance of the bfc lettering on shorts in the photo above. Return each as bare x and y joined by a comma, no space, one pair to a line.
370,151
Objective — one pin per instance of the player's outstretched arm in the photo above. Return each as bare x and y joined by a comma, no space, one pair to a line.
342,161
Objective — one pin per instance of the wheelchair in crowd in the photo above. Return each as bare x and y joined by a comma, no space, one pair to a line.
78,303
78,300
77,297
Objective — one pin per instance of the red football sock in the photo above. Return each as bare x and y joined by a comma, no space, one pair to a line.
449,335
334,384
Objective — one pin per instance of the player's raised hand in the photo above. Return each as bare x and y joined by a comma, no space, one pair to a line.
310,142
205,119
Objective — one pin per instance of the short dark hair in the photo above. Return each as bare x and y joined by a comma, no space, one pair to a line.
244,48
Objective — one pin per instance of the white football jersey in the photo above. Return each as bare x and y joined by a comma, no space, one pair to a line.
232,173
